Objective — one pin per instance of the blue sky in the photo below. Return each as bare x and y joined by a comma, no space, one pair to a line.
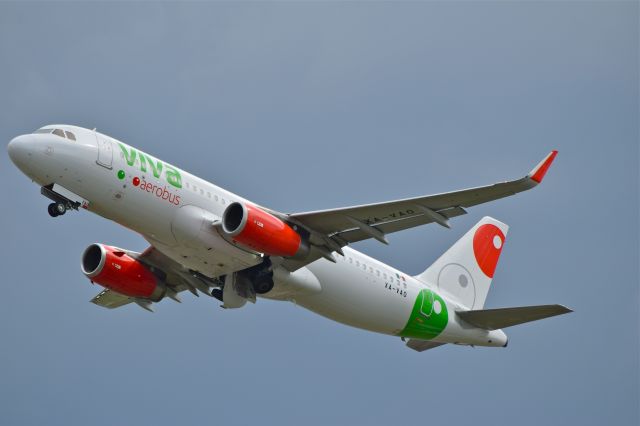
303,106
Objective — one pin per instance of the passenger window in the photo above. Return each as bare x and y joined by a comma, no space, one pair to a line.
208,194
357,263
58,132
70,135
216,197
201,191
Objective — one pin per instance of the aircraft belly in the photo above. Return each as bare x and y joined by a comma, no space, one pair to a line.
357,298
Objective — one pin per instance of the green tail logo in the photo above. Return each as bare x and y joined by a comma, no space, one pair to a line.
428,317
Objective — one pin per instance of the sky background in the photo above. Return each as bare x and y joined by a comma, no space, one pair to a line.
319,105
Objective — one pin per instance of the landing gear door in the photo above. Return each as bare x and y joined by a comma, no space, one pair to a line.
105,152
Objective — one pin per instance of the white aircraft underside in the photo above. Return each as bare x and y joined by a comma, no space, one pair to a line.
207,240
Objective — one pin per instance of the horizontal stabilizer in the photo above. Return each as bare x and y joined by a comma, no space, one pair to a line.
493,319
423,345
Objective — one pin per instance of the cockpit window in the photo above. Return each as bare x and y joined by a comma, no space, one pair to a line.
58,132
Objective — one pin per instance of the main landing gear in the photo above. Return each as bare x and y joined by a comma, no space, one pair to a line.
248,282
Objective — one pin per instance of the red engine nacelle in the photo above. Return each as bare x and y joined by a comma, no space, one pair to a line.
116,270
260,231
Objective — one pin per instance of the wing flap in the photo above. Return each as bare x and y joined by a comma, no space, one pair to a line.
494,319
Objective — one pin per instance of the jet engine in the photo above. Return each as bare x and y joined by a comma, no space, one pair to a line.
258,230
116,270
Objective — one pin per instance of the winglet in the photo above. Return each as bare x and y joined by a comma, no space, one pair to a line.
538,172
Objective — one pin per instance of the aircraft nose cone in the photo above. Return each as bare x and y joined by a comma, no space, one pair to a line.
20,150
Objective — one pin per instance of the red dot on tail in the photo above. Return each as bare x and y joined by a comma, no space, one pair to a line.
487,246
136,181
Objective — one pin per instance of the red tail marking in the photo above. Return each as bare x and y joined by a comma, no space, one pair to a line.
487,246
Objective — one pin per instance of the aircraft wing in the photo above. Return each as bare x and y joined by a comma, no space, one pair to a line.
330,230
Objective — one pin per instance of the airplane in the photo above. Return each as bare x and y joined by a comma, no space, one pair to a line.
207,240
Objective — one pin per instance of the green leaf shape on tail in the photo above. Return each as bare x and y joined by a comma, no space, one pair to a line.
428,317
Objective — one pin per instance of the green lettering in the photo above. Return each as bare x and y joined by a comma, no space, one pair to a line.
130,157
143,163
156,166
173,177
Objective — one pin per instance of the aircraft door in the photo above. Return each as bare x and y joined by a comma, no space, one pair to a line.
105,152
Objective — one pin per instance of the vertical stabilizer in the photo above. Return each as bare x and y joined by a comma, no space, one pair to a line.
465,270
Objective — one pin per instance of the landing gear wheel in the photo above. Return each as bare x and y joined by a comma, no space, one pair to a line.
263,285
56,209
217,293
53,212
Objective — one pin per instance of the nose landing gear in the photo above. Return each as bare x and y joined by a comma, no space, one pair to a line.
57,209
60,203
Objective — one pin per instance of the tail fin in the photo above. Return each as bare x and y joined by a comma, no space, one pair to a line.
465,270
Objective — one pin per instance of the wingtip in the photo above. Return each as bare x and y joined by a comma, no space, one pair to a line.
538,172
566,310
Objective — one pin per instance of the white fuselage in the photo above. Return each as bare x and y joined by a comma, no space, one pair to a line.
169,208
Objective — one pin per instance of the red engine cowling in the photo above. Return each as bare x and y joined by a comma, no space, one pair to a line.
116,270
260,231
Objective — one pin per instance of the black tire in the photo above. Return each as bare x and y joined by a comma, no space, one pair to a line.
53,212
217,293
263,285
